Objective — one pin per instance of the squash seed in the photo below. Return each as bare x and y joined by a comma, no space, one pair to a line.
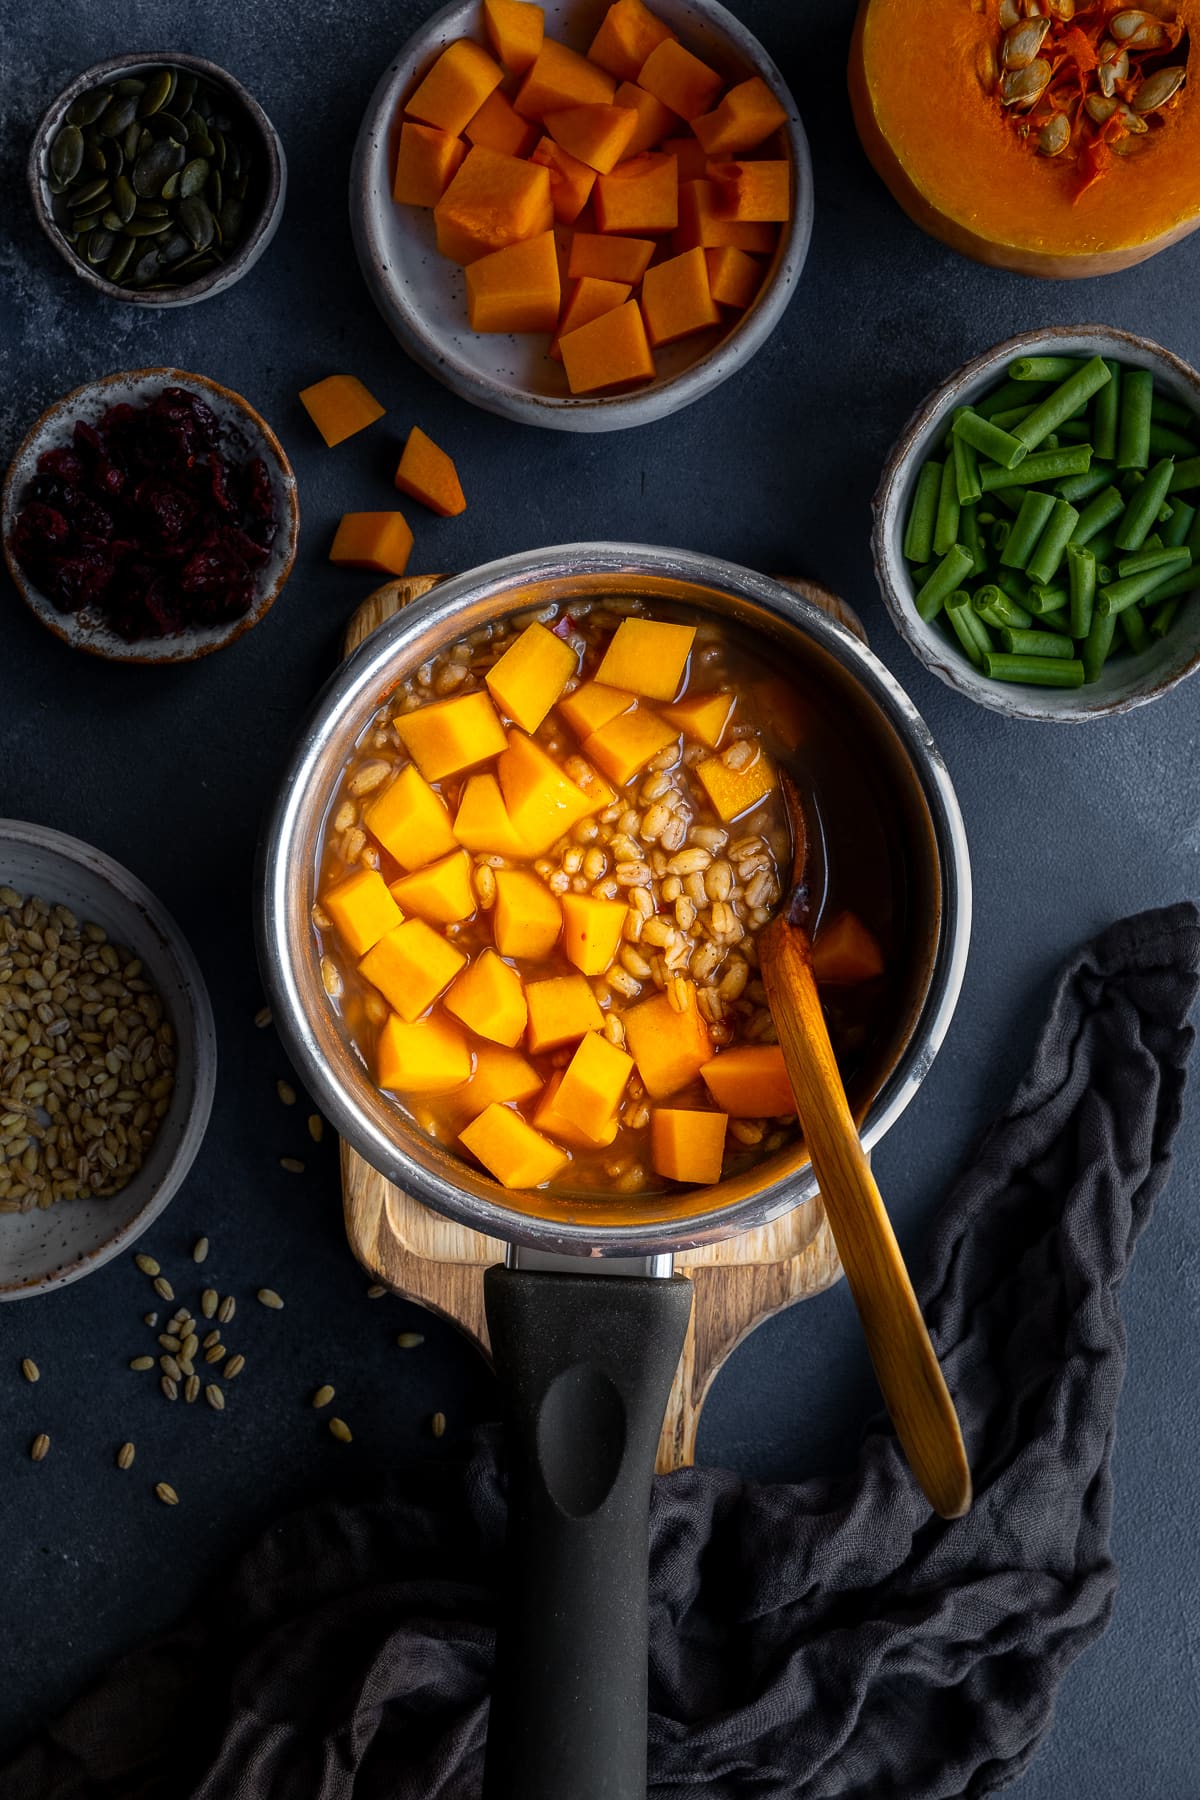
341,1431
88,107
1055,135
157,92
1157,89
1022,44
40,1447
166,1493
66,153
323,1396
29,1369
1023,88
192,178
197,220
125,1456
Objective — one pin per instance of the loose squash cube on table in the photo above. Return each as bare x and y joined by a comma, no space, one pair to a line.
517,288
592,705
700,223
592,1085
426,162
571,181
499,1075
746,117
759,192
592,931
648,657
456,87
655,121
596,135
640,195
427,474
561,1009
499,126
846,952
690,161
560,78
410,820
628,33
493,200
490,998
450,735
516,30
733,277
588,298
609,258
687,1146
611,351
679,79
750,1081
735,791
482,824
430,1056
703,717
411,966
530,675
362,910
542,802
381,541
441,893
512,1151
623,747
669,1047
526,918
677,300
339,406
560,1125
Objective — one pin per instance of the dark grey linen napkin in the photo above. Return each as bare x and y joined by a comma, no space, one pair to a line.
831,1638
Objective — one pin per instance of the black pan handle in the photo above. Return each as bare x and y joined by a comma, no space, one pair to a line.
585,1365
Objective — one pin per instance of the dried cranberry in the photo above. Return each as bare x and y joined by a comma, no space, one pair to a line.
39,528
63,463
79,581
260,496
218,479
85,437
164,510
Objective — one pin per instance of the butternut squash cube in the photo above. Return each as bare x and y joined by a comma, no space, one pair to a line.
750,1081
703,717
489,997
530,676
561,78
482,824
733,277
426,162
499,126
411,966
561,1009
516,30
587,300
735,791
593,705
641,195
687,1146
626,744
499,1075
846,952
670,1048
372,540
648,657
592,931
608,258
679,79
628,33
362,910
746,117
677,300
593,1084
410,820
494,200
690,160
450,735
339,406
654,119
456,87
428,1057
596,135
542,802
427,474
561,1126
512,1151
571,181
526,918
611,351
701,225
441,892
757,191
517,288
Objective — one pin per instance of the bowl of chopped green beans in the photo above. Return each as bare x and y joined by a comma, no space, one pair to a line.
1037,526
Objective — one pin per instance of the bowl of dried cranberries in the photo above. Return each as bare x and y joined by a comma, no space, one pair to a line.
150,516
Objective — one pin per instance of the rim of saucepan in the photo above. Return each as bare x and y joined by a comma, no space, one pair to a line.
247,252
1062,706
340,711
612,412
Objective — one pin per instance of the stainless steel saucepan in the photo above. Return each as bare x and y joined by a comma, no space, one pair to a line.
587,1319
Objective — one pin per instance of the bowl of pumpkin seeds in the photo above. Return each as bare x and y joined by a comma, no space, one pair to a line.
158,179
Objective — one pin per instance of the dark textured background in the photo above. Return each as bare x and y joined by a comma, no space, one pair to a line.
169,771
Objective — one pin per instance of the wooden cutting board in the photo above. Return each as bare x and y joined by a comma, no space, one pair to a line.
737,1284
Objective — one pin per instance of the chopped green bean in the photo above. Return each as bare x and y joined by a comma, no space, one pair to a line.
1000,533
921,576
1186,476
968,627
966,471
1042,566
1134,627
1074,431
1035,671
1138,561
1006,396
1062,402
1043,600
1115,596
1169,412
1164,616
1130,482
1097,645
1036,509
1007,496
1106,414
1059,621
1036,643
1185,581
1044,368
1081,571
1013,416
1133,438
945,527
1014,584
1166,441
1001,446
1104,510
1176,528
971,538
954,568
1045,465
1084,487
918,539
1143,506
995,608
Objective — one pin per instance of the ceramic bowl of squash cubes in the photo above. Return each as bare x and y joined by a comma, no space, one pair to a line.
1075,558
582,218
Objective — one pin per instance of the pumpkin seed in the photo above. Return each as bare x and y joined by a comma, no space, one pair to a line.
985,66
96,158
1023,88
1157,89
198,139
185,92
87,108
154,165
84,198
124,199
196,218
165,124
158,91
170,187
100,244
118,115
1023,42
132,141
142,228
152,209
1063,10
130,85
1138,30
66,153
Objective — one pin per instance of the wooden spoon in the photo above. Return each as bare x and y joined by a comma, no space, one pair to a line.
914,1389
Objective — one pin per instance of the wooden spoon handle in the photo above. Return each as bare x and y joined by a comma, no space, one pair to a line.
914,1389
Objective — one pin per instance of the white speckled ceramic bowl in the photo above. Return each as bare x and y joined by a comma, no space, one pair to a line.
45,1249
244,433
269,189
422,295
1126,682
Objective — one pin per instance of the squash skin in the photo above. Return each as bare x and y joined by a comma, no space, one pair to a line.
1178,156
